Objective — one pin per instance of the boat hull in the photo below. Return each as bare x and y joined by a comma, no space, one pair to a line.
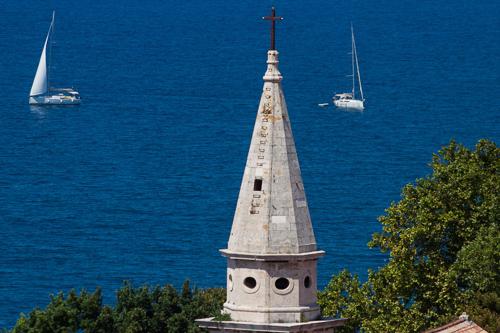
54,100
352,104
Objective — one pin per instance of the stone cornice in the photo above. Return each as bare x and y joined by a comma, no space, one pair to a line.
273,257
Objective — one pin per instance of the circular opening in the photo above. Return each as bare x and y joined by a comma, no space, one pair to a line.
250,282
307,282
282,283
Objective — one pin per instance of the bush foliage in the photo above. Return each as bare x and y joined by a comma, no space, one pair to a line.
137,310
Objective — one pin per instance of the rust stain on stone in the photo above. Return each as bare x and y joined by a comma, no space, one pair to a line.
273,118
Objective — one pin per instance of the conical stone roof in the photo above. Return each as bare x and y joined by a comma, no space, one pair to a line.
272,216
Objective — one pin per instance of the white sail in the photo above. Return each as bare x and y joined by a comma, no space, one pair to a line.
40,82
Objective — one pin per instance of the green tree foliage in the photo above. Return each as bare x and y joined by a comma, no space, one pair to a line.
137,310
443,241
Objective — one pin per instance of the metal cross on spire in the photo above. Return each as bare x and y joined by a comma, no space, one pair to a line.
273,18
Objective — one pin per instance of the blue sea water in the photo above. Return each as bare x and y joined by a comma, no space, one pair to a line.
140,182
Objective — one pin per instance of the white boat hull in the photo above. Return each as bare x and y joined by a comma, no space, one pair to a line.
352,104
54,100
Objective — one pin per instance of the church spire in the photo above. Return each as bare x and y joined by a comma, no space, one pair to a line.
272,254
272,216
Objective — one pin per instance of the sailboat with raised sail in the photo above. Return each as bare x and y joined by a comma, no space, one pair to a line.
350,100
41,93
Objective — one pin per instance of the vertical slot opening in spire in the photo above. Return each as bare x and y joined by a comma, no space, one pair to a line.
257,185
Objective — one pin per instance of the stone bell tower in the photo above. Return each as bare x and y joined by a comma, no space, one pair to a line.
272,252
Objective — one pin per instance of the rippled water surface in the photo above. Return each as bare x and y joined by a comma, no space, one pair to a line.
140,182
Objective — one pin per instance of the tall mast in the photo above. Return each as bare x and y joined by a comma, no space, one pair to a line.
357,64
352,62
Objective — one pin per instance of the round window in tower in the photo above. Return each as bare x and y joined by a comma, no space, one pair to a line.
307,282
250,282
281,283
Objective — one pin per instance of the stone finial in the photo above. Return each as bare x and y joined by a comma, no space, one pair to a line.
272,73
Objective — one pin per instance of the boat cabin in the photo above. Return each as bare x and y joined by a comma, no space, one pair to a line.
66,92
344,96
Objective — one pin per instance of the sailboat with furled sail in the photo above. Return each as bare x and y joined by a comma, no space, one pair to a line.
41,93
350,100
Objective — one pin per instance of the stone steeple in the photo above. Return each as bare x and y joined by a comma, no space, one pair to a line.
272,254
272,250
272,216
